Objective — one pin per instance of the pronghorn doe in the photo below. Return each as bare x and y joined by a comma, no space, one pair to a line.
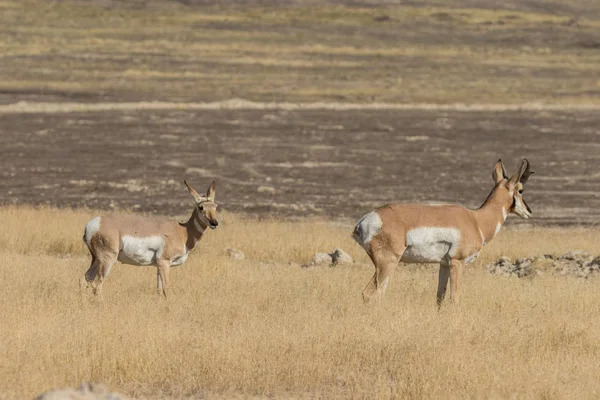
451,235
138,240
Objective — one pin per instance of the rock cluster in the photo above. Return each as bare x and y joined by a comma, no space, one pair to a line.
576,263
87,391
336,257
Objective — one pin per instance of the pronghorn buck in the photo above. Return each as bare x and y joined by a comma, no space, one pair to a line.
138,240
451,235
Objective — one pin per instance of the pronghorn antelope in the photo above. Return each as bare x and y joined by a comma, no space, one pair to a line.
138,240
451,235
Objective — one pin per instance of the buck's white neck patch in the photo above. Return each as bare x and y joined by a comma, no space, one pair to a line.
504,214
498,226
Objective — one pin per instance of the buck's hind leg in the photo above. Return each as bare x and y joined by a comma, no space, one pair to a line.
385,262
370,289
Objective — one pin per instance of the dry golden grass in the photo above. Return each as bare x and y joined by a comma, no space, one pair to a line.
261,327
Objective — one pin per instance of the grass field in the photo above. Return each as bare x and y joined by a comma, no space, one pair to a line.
261,327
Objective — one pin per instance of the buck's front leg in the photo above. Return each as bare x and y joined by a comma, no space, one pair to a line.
443,277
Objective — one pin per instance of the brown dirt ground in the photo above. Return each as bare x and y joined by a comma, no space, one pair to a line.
329,163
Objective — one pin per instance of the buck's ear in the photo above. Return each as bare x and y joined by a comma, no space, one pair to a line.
194,194
210,193
499,172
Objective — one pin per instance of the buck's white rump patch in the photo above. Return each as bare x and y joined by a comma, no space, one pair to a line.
367,227
140,250
430,244
91,228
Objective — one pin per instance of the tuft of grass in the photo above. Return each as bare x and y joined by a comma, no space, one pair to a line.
261,327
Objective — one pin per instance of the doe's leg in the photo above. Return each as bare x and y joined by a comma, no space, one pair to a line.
90,274
163,276
159,284
105,263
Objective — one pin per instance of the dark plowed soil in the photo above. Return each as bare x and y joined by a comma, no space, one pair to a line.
335,164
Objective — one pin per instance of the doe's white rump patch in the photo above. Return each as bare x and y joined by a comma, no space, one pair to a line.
91,228
140,250
430,244
367,228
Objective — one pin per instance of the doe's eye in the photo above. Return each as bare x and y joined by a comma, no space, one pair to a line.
520,191
201,208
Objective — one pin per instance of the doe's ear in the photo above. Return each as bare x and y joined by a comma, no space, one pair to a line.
499,172
195,195
210,193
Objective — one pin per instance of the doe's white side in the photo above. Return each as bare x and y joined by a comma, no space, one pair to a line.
140,250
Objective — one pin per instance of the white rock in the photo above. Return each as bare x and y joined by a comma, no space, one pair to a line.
235,254
340,257
322,259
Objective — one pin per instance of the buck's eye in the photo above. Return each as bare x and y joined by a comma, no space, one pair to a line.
520,191
201,208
